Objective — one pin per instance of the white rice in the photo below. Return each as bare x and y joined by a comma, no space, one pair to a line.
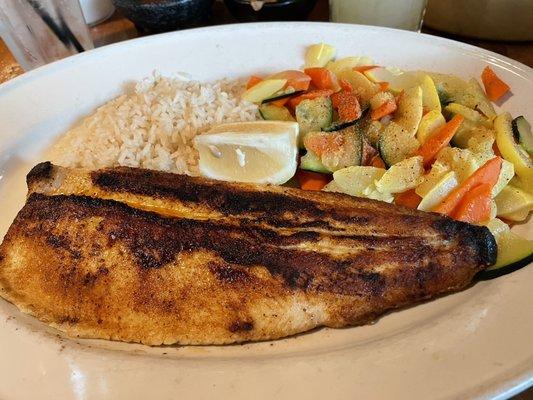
153,126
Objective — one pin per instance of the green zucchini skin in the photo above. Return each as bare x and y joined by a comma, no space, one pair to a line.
340,125
270,112
504,270
310,162
522,133
383,152
337,126
444,97
314,114
387,148
282,96
353,153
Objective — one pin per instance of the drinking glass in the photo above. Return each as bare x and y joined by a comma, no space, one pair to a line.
401,14
40,31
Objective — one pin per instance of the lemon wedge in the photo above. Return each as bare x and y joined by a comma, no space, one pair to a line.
255,152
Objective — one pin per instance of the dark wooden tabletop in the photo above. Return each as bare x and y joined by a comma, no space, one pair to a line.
118,28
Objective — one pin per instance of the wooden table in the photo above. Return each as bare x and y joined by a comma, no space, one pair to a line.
118,29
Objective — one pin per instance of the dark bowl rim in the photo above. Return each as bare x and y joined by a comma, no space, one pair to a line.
127,4
279,3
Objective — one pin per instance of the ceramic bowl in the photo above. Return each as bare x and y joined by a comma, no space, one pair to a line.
165,15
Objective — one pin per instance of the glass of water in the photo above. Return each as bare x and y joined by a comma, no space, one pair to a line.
401,14
41,31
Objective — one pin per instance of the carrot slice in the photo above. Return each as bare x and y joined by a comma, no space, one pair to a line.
439,140
321,144
378,162
408,199
347,105
385,109
345,85
487,173
494,86
475,205
312,94
336,98
383,86
322,78
254,80
312,180
363,68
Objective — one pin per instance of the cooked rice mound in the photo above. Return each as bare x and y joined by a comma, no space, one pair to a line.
153,126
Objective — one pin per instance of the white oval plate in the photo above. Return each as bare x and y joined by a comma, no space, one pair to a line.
473,344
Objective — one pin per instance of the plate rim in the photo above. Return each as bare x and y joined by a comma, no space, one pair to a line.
516,384
494,58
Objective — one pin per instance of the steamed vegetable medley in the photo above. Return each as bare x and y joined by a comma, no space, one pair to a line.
419,139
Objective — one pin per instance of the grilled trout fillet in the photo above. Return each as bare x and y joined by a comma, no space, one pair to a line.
158,258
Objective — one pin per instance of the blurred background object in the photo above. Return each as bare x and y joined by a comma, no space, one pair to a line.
401,14
96,11
39,32
270,10
483,19
165,15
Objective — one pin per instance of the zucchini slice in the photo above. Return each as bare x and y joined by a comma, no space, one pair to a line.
370,129
445,98
519,254
311,162
514,251
522,133
492,272
468,113
396,144
510,149
339,149
270,112
313,115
